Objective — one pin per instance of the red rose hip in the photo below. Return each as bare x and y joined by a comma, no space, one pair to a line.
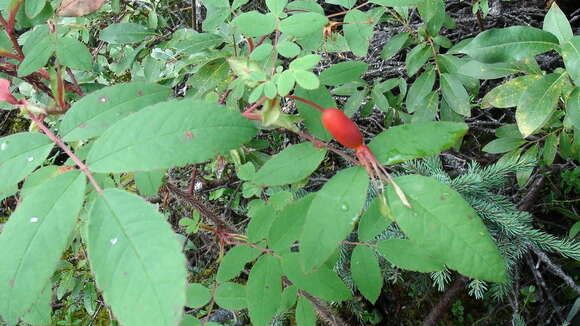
342,128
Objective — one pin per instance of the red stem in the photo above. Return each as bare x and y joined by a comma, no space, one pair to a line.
67,150
248,112
9,28
303,100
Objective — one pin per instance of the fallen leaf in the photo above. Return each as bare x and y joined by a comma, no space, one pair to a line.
76,8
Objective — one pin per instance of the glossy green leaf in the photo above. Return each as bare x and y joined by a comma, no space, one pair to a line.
508,94
288,224
20,154
264,290
573,108
148,183
482,70
293,164
417,57
72,53
255,24
366,272
557,23
97,111
33,7
306,79
503,145
323,283
446,227
455,94
122,33
169,134
410,141
358,31
343,72
332,215
305,314
571,55
197,295
33,241
303,24
36,56
125,235
313,117
234,261
538,102
406,254
422,86
394,45
510,44
372,222
231,296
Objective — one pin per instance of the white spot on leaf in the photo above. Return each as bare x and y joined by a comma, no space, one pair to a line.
33,219
114,241
3,146
30,159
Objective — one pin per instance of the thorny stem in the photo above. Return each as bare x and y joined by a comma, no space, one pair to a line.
67,150
75,82
303,100
320,143
248,112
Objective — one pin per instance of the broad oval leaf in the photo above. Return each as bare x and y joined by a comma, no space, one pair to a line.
508,94
122,33
20,154
287,226
417,57
408,255
394,45
372,222
255,24
291,165
231,296
33,240
96,112
169,134
503,145
36,56
264,290
366,272
197,295
571,55
358,31
74,54
557,23
509,44
538,103
444,225
305,313
416,140
323,283
136,260
455,94
235,260
303,24
343,72
422,86
332,215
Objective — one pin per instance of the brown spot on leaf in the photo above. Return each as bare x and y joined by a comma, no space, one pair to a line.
11,283
470,217
82,125
442,197
140,92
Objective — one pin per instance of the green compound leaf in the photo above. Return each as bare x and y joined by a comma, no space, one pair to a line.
197,295
303,24
125,235
34,239
264,290
342,73
231,296
323,283
305,313
366,272
96,112
20,154
408,255
538,103
255,24
510,44
291,165
122,33
332,215
508,94
443,224
358,31
74,54
169,134
416,140
234,261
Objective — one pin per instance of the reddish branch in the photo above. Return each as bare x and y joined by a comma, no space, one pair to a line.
67,150
9,28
